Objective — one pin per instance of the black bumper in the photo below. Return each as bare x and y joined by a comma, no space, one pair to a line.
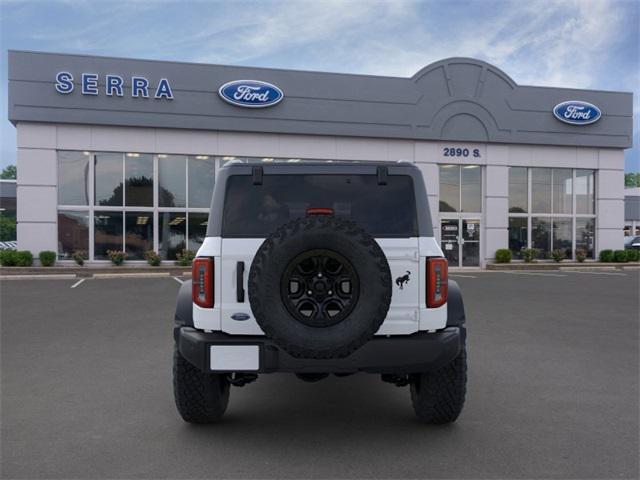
420,352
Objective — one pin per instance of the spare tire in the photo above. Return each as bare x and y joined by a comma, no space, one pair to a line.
320,287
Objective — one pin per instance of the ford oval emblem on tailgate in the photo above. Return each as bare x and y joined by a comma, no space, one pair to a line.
250,93
240,317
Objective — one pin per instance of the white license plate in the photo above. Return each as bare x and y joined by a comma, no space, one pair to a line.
234,357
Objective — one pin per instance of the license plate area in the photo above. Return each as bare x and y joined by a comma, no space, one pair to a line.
234,358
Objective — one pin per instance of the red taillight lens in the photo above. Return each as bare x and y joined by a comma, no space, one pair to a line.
437,282
319,211
202,286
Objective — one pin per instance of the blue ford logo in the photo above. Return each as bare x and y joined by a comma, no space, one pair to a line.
240,317
576,112
250,93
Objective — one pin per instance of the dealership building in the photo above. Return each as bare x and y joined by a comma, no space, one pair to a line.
122,154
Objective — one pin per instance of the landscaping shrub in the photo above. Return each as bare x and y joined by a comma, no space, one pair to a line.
503,255
529,254
24,258
558,255
633,255
80,256
620,256
8,258
606,256
581,254
185,258
152,258
47,258
117,257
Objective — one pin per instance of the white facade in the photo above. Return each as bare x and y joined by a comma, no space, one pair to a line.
37,181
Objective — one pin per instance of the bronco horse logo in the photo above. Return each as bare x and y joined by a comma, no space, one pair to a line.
400,281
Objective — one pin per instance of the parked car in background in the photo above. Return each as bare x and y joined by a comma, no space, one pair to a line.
632,241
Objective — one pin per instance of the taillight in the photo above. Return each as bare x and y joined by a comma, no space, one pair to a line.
437,282
319,211
202,282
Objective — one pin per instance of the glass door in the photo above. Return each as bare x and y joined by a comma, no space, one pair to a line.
450,229
470,242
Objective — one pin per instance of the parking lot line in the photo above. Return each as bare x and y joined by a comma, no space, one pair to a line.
538,274
597,273
178,280
463,276
78,283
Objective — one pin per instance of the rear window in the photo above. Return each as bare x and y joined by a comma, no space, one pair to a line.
382,210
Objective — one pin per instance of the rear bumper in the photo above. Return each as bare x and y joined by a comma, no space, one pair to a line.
420,352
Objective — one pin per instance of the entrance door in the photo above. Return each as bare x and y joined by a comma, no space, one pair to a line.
461,241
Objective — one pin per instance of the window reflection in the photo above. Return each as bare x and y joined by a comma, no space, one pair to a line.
541,190
449,188
172,234
518,190
139,234
107,232
585,191
139,180
108,179
471,188
541,235
562,190
562,235
73,233
517,235
172,180
201,178
197,229
585,235
73,178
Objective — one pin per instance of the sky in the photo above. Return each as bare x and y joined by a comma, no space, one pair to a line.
562,43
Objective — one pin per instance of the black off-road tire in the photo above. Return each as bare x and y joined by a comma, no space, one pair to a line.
438,397
329,234
200,397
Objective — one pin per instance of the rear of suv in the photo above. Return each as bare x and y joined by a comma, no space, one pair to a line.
317,269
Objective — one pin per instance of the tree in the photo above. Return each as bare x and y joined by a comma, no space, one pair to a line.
632,180
9,172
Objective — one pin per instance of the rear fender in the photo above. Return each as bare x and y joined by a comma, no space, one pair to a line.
455,306
184,306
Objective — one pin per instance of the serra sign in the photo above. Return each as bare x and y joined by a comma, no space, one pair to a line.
113,85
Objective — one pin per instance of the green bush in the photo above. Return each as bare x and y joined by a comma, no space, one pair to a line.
80,256
606,256
620,256
503,255
558,255
185,258
529,254
47,258
633,255
8,258
152,258
117,257
581,254
24,258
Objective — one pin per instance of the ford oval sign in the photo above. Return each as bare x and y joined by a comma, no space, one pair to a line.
576,112
250,93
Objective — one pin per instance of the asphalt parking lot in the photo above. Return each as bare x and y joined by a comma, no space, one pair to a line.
553,391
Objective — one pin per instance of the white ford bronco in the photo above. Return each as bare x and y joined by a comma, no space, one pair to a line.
316,269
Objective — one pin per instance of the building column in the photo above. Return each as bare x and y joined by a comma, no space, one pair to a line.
36,190
496,210
610,200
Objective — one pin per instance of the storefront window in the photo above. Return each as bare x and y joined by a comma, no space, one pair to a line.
541,235
201,179
541,190
562,190
138,180
562,235
585,192
517,235
585,235
518,190
138,234
73,233
172,234
172,179
107,232
449,188
108,179
73,178
471,188
197,229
